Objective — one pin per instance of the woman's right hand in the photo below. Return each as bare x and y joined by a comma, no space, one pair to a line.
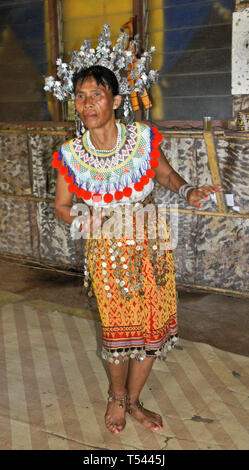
196,195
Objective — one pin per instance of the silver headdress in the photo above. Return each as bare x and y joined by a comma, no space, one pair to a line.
131,72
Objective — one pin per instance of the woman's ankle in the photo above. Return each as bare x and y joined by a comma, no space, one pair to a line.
133,399
117,392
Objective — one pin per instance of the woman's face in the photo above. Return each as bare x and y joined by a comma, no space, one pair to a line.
95,104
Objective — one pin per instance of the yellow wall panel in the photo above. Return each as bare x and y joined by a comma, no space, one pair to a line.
156,39
85,19
155,4
82,8
76,31
156,36
125,6
157,61
157,100
78,8
156,22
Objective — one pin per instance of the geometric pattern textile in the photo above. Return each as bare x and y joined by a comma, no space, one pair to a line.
136,295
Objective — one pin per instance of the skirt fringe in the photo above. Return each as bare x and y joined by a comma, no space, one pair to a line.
134,284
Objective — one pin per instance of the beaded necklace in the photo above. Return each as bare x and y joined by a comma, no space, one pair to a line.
116,149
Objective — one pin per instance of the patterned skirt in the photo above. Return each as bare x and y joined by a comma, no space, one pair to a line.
133,280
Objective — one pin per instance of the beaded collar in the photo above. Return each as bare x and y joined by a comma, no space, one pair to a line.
101,153
110,176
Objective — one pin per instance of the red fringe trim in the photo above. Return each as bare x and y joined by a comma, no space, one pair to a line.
138,186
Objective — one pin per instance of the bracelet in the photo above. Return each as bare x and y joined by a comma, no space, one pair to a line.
184,189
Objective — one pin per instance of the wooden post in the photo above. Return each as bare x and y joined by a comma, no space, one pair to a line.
213,164
138,13
54,51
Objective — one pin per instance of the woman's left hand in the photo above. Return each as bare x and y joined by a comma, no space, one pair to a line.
198,194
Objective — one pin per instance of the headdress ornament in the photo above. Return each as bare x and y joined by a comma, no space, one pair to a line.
131,72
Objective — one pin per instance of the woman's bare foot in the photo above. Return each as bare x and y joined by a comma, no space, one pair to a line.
147,418
115,413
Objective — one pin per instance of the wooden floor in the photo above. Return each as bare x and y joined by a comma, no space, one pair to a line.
54,385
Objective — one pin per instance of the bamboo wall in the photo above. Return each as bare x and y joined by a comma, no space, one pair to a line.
212,251
29,229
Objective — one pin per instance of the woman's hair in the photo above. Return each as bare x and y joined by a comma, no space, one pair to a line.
102,75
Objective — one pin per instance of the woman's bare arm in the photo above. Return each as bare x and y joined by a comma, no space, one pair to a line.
64,203
167,176
170,179
63,200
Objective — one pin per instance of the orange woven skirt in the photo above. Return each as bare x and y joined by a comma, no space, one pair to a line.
134,284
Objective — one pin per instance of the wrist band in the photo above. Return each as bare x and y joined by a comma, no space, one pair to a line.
184,189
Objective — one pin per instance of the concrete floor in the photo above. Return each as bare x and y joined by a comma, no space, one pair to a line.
54,385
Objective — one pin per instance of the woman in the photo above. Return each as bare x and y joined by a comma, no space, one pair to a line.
133,281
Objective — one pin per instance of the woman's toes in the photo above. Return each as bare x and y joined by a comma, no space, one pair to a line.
115,418
147,418
158,426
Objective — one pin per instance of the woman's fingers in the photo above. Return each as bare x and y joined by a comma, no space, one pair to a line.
203,192
207,190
